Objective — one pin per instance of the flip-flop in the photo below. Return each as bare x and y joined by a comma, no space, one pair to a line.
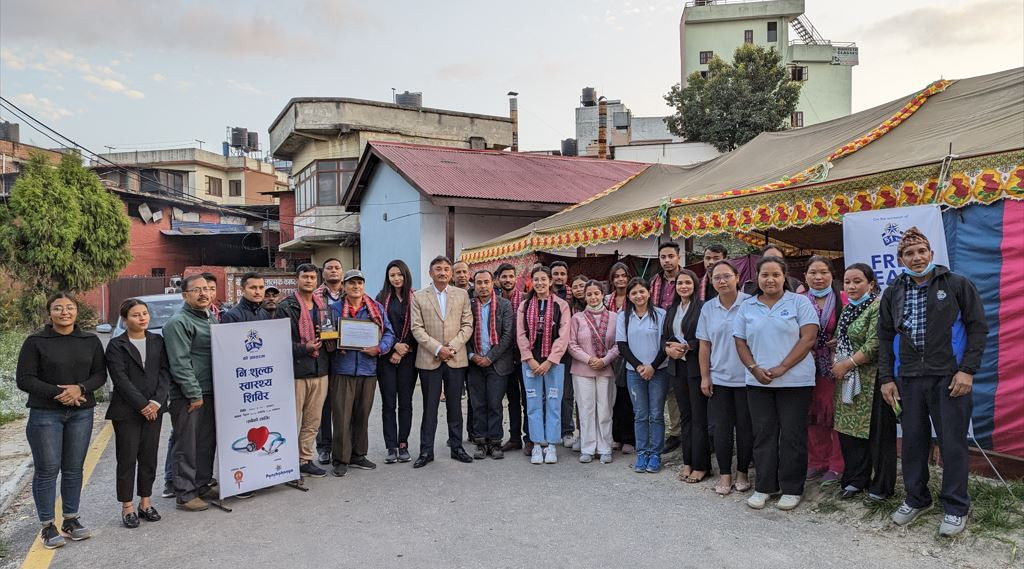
683,477
691,480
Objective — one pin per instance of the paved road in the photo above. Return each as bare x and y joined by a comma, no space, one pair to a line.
488,514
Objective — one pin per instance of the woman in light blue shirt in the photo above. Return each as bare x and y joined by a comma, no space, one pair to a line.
775,331
723,378
638,335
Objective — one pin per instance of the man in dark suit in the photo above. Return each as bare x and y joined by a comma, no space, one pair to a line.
490,363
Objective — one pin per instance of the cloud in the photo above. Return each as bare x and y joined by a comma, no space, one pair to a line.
158,77
11,59
243,86
41,106
209,28
114,86
461,71
960,24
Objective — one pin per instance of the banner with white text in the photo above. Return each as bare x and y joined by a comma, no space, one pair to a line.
257,439
873,237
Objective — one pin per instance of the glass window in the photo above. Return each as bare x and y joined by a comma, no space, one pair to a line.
705,57
326,165
773,31
327,188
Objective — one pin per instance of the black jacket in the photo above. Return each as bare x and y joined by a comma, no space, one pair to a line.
49,359
501,353
956,329
690,367
244,311
135,385
305,365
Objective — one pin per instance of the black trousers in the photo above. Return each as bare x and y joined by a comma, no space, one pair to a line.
471,433
728,412
486,390
324,437
921,398
871,462
397,383
622,417
693,416
136,442
431,383
518,425
568,400
195,445
779,417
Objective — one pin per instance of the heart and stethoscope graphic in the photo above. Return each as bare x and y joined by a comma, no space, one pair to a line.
259,439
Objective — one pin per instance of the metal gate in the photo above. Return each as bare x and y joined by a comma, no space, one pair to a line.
128,287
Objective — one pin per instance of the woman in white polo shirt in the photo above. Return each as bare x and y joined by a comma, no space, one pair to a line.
723,378
775,331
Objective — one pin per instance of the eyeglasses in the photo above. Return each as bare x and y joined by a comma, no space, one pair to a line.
64,309
201,289
723,278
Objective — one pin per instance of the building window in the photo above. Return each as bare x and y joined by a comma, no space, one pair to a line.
748,36
323,182
797,119
213,186
705,57
235,188
798,73
704,74
773,32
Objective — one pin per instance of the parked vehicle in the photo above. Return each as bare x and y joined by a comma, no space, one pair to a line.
161,307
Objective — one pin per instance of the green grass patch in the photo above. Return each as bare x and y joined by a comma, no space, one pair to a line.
996,509
12,400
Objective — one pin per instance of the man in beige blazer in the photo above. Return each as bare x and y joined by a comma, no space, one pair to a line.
442,323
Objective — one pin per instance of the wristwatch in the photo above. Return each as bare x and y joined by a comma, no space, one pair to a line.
751,367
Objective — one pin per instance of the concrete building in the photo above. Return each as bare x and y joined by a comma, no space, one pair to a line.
623,128
675,153
825,68
14,154
417,202
324,138
193,173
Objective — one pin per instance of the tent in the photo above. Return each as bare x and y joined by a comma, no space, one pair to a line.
959,144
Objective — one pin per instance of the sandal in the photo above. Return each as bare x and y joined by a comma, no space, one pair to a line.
691,479
684,473
742,486
723,490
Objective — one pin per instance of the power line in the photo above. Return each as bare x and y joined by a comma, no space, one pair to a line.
11,107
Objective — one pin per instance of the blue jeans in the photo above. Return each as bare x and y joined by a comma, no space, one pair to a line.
648,410
59,439
544,403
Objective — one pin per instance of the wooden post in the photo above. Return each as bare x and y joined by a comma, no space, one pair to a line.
449,233
581,252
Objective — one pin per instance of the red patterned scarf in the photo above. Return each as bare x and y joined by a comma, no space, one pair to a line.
307,329
492,326
657,284
533,323
408,312
610,302
516,298
598,322
349,311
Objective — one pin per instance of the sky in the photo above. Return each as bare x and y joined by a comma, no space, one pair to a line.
144,75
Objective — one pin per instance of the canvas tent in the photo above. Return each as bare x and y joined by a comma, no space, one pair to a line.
958,143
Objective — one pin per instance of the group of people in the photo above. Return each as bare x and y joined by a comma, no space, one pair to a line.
803,380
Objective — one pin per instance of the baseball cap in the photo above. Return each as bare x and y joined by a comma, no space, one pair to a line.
272,289
353,274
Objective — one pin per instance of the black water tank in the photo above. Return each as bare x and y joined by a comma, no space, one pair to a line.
569,147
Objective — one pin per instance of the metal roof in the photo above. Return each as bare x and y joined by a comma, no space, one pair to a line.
493,174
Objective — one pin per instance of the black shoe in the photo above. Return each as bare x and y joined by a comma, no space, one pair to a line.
168,490
52,539
512,444
324,457
310,469
460,454
423,459
403,454
247,495
149,514
481,452
671,444
848,494
74,529
392,456
340,469
130,520
362,463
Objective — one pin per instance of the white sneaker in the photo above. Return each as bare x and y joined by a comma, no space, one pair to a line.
585,458
788,502
757,500
606,458
550,456
538,455
576,445
567,441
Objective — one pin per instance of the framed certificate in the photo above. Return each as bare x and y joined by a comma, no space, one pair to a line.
357,334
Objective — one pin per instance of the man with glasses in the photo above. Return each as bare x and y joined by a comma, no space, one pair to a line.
187,340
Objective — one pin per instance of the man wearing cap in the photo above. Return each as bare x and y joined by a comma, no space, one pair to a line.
354,376
271,294
931,336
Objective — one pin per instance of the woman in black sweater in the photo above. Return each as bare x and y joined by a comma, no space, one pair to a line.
59,367
396,370
137,363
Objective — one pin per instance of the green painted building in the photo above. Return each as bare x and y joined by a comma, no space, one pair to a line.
824,67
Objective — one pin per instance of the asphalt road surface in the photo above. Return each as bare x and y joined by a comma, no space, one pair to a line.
489,514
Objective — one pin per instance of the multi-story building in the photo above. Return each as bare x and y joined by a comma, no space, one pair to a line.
193,173
623,128
324,137
825,68
14,154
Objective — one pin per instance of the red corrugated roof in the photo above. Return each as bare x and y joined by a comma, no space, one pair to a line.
501,175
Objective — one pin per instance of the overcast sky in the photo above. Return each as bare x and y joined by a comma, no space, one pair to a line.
134,74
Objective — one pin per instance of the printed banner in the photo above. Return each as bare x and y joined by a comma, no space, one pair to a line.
257,439
872,237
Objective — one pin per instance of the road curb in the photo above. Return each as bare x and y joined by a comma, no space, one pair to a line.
12,488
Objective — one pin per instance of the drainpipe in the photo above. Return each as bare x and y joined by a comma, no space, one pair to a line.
513,113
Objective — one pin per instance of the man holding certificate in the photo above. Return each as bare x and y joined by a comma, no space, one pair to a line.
364,333
442,323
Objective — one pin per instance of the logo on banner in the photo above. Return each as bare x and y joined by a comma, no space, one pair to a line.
259,439
892,234
253,341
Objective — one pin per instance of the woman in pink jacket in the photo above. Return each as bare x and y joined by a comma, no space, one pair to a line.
592,347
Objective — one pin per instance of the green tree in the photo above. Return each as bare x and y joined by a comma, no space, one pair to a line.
60,230
735,101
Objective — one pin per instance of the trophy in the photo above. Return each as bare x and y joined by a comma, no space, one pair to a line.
328,331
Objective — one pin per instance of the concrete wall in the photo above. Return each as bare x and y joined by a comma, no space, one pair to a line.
325,219
677,153
827,92
398,237
347,255
723,37
649,128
